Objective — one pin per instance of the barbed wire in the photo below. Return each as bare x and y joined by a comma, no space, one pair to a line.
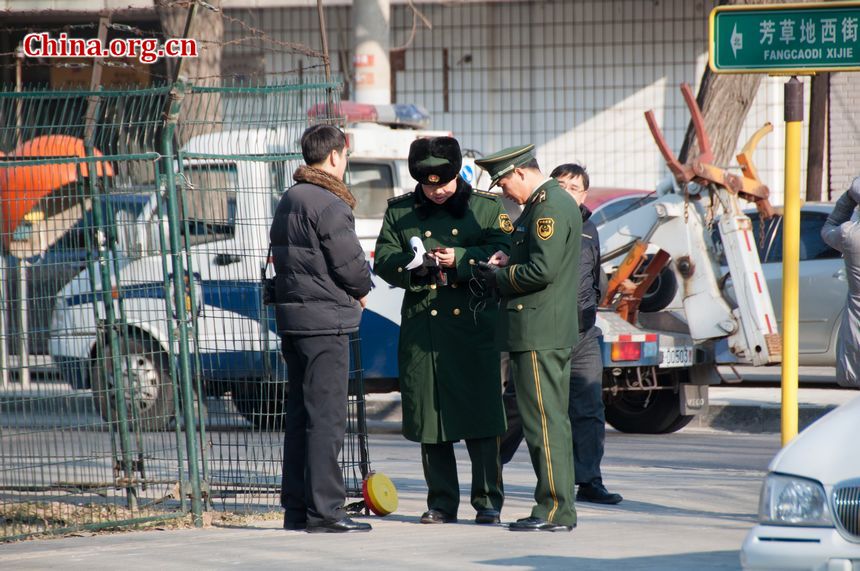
253,38
159,76
294,71
416,15
124,65
63,28
254,32
297,47
187,4
204,45
135,30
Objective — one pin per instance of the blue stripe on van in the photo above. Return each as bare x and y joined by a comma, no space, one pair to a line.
379,336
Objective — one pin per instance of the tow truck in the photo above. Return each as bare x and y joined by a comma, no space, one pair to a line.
658,365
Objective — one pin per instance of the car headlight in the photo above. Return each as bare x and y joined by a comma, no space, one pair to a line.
791,500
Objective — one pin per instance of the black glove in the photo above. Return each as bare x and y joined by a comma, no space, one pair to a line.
486,273
428,272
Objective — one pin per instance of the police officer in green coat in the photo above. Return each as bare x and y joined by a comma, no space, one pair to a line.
449,366
538,324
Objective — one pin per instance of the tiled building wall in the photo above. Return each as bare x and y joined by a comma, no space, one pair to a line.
573,77
844,135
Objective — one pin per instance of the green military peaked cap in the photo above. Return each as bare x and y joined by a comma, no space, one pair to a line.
502,162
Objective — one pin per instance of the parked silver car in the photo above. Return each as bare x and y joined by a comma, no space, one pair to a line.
823,286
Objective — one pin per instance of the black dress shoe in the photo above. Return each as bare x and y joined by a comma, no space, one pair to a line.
437,516
538,524
488,516
344,525
295,525
597,494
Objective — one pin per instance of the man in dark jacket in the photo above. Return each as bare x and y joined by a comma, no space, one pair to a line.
585,408
321,281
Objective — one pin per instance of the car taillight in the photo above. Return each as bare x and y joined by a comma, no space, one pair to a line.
626,351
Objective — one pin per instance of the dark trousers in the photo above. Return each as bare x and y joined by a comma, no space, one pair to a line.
585,408
312,487
440,472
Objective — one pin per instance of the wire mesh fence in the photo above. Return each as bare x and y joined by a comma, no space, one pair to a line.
141,373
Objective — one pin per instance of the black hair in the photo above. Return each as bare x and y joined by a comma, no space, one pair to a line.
571,169
319,141
532,164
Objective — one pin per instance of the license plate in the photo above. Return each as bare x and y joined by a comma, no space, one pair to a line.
676,357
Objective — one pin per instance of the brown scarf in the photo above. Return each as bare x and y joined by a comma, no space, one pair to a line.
324,180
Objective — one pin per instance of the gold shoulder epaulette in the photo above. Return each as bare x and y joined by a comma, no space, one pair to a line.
394,199
540,196
486,194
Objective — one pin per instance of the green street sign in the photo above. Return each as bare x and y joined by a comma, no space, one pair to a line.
785,38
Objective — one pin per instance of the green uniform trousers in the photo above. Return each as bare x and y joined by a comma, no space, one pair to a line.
542,381
440,472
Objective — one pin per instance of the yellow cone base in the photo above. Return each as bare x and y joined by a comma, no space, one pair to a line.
379,493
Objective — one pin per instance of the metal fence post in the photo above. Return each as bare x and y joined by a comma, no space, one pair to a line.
23,334
176,96
171,339
120,389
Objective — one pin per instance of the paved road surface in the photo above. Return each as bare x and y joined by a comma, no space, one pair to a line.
689,500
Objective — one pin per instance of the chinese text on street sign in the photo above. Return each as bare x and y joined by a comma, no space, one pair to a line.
791,38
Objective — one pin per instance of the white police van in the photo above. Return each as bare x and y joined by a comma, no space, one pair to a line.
227,207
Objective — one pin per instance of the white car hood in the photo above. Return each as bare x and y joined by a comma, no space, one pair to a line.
827,451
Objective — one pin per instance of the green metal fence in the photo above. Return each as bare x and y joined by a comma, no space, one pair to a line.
141,373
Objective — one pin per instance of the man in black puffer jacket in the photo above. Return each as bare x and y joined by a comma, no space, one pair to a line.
321,282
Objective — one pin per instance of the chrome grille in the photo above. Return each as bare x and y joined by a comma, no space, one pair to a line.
846,504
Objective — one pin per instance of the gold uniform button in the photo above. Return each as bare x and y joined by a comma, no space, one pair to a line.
454,232
472,262
428,233
454,286
456,311
434,313
519,307
432,286
399,270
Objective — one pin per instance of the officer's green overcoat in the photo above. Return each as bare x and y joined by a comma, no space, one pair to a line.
449,365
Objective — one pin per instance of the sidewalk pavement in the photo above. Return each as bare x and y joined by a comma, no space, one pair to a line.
689,500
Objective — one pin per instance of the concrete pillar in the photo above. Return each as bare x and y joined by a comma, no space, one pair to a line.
370,20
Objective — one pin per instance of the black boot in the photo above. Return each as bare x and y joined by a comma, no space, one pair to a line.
597,493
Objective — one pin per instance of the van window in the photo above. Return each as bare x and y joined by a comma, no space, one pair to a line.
372,184
69,234
280,179
209,203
